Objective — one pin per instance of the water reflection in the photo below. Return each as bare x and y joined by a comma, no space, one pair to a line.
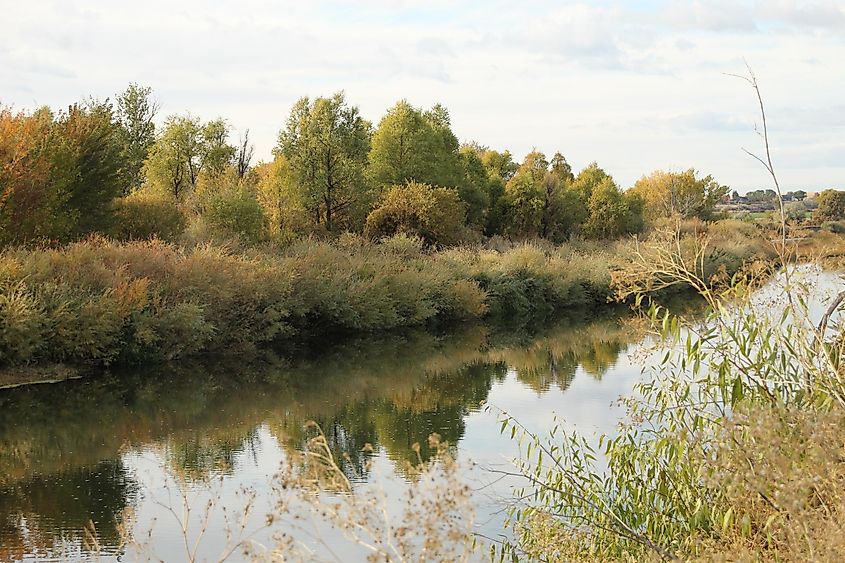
62,447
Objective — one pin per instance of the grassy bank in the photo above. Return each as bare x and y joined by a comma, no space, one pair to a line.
101,302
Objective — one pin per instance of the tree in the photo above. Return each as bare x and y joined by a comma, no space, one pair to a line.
280,199
326,143
135,112
525,197
99,164
587,180
434,214
499,164
681,194
474,187
31,193
563,210
59,172
831,205
500,168
186,148
613,213
235,211
411,144
561,169
244,154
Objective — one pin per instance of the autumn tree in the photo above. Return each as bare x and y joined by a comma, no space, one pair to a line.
59,172
326,143
136,110
31,195
679,194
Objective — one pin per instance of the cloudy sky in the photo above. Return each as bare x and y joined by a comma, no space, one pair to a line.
634,85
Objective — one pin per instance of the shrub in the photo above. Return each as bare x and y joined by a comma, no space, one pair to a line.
145,215
835,227
831,205
22,324
235,212
436,215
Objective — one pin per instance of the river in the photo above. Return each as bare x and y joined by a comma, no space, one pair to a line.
85,464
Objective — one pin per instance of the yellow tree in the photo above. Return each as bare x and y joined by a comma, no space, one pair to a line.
678,194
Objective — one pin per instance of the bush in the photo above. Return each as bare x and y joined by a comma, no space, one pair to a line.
145,215
835,227
831,205
235,212
435,215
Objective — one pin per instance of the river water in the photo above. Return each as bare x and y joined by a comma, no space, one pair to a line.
87,463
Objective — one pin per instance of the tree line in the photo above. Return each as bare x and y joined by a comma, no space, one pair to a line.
105,167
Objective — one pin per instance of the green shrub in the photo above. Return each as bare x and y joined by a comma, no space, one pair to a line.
22,324
235,212
835,227
831,205
436,215
146,215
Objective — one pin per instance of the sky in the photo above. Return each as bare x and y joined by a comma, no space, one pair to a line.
633,85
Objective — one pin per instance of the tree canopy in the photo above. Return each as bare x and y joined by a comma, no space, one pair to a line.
326,143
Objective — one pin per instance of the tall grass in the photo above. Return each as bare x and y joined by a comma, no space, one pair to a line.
100,301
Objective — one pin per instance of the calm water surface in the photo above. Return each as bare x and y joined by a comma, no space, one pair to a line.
121,449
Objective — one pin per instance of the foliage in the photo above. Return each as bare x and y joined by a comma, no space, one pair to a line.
135,113
831,206
410,145
185,149
475,188
436,215
280,200
613,213
720,453
682,194
326,143
59,172
145,214
795,210
234,211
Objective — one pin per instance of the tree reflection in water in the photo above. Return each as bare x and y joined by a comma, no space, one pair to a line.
62,445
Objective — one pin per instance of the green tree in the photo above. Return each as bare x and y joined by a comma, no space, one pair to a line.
561,169
541,201
280,199
135,112
474,187
613,213
326,143
434,214
831,205
587,180
235,211
411,144
185,149
99,164
563,210
525,197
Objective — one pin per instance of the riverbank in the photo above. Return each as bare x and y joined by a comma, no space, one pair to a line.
99,302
